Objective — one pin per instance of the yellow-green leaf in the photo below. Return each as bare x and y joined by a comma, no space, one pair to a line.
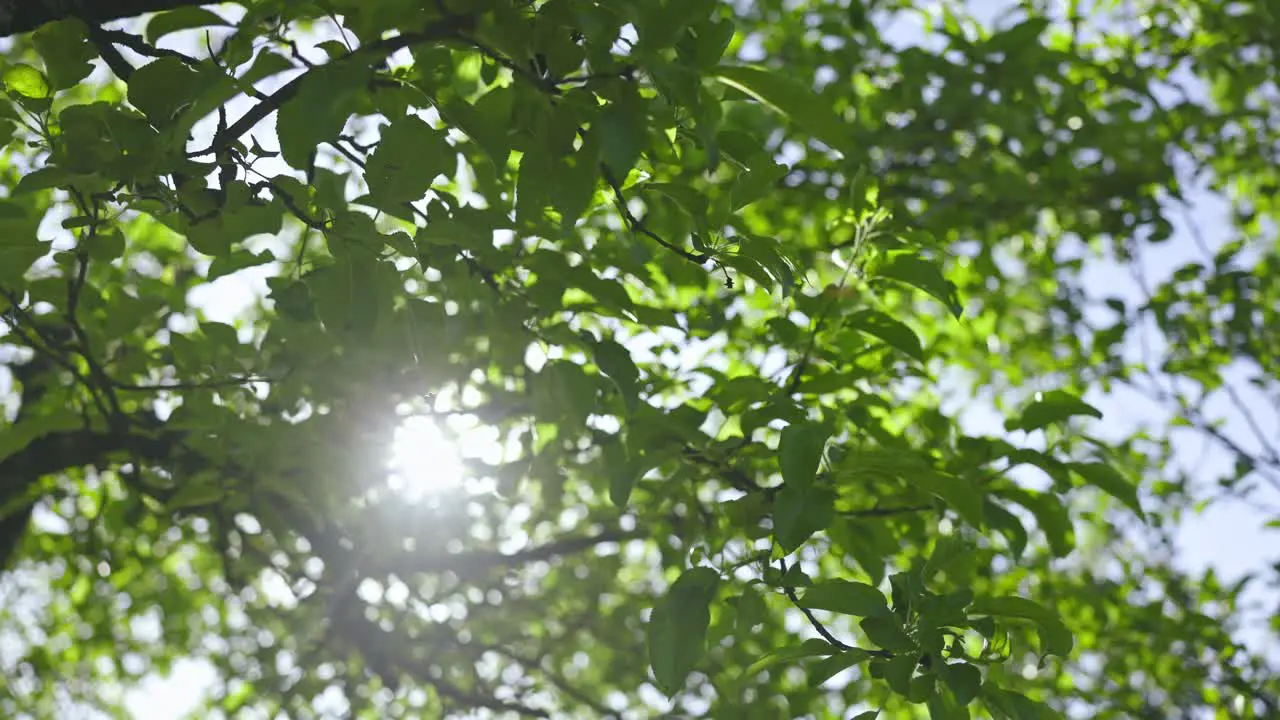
27,82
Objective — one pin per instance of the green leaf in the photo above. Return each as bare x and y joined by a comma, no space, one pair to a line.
948,552
896,334
1049,408
27,82
661,24
1055,639
1007,524
795,577
1051,516
623,130
711,41
751,611
677,629
241,217
800,452
687,197
616,363
759,181
104,246
799,511
319,110
1009,705
1109,480
809,648
162,88
532,185
910,467
45,178
795,100
922,274
20,246
487,123
963,679
353,295
622,480
897,672
77,221
562,392
942,706
827,668
766,253
846,597
410,156
886,632
64,47
571,189
182,18
196,493
868,715
625,467
1017,39
237,260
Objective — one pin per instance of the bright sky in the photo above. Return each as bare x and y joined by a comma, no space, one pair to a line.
1225,537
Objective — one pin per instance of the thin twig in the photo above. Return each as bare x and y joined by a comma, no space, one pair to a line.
1272,454
885,511
817,625
637,226
625,73
447,28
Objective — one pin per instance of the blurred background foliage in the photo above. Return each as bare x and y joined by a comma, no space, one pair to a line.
661,358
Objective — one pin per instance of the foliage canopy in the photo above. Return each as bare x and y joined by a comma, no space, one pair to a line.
702,290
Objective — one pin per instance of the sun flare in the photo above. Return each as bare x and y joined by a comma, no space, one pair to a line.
423,460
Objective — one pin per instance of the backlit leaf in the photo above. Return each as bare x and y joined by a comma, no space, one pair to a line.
924,275
1049,408
896,334
1107,479
1051,517
27,82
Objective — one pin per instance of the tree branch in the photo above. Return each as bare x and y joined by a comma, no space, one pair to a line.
817,625
446,28
21,16
57,452
468,564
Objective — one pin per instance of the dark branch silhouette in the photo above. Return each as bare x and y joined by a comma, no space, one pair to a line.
22,16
